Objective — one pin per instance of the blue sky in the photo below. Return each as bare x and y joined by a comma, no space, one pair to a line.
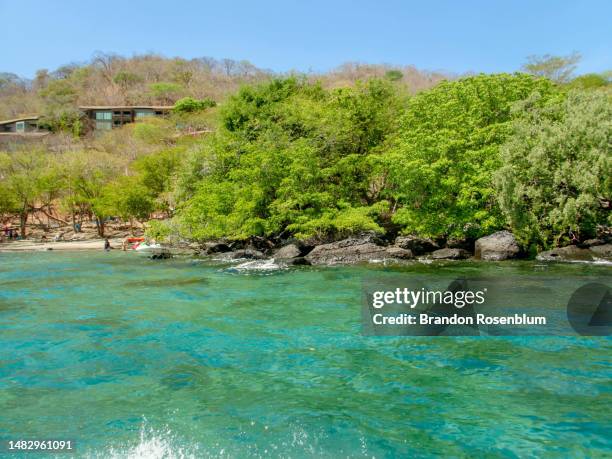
456,36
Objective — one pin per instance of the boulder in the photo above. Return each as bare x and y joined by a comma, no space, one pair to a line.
297,261
569,253
346,251
216,247
497,246
398,252
602,251
288,252
418,246
456,243
450,254
244,253
258,243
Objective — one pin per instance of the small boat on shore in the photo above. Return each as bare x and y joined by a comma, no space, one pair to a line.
144,246
154,251
149,248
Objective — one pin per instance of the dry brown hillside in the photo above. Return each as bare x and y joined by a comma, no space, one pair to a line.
110,79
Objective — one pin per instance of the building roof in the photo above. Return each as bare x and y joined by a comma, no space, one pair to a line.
23,118
127,107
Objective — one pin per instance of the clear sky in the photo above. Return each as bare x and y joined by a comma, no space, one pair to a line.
303,35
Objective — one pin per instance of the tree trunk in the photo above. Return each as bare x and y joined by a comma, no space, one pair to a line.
23,219
100,227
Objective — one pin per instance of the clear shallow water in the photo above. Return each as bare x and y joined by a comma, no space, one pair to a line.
181,358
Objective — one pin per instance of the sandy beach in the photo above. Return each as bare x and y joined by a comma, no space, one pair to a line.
33,246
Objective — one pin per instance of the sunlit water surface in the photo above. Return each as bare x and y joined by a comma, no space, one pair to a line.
133,357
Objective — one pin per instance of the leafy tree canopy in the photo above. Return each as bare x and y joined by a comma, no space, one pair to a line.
190,105
555,183
439,167
291,158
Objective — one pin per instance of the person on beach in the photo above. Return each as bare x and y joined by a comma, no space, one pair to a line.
107,245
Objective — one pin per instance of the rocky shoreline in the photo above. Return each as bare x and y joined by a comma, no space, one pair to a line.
370,248
364,248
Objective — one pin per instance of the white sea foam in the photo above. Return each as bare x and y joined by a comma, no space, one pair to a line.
259,265
164,444
154,444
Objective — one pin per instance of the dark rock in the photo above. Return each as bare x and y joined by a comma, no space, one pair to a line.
398,252
497,246
244,253
465,244
450,254
287,252
351,250
602,251
297,261
418,246
569,253
216,247
259,243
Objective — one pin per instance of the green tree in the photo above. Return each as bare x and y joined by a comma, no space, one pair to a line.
31,179
290,158
8,201
438,169
166,92
555,184
591,81
157,174
191,105
86,176
394,75
127,198
60,111
127,79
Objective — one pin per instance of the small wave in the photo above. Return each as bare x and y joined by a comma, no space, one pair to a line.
153,444
595,261
259,265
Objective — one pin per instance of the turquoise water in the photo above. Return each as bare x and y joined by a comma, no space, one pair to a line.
131,357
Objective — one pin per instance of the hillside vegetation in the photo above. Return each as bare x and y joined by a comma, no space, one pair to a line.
300,157
150,79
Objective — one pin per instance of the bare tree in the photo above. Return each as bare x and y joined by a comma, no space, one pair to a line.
228,66
557,68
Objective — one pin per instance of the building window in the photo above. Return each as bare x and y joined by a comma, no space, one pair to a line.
104,115
103,125
140,114
20,126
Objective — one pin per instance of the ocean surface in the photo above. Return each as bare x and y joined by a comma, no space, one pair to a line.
132,357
